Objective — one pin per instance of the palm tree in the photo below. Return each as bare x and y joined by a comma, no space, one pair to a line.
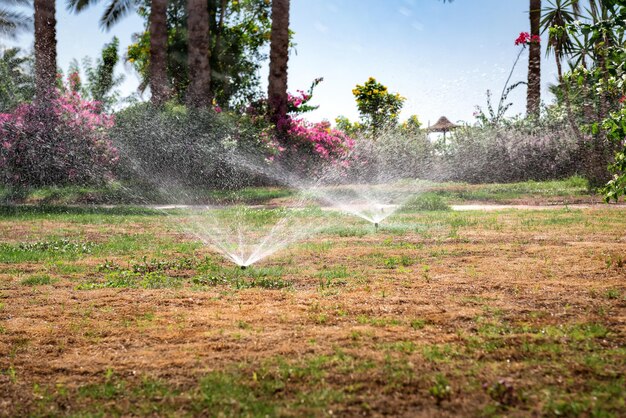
279,57
45,49
11,21
555,20
117,9
199,90
533,95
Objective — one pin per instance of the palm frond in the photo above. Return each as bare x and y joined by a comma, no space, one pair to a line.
116,10
78,6
16,2
555,20
11,23
593,10
576,7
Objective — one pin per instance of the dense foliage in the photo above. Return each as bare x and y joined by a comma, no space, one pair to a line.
509,153
101,78
378,108
65,142
582,132
591,40
17,83
239,33
176,146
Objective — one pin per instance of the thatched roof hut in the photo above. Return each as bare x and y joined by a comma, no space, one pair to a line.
443,125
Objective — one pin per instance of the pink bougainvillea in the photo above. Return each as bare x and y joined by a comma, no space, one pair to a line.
297,135
324,141
295,102
58,142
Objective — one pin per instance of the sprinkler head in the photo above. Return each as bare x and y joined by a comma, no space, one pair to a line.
244,267
376,225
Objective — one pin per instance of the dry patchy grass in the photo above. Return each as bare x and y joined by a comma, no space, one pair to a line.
440,313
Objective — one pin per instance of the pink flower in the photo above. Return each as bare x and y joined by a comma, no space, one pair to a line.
327,143
66,140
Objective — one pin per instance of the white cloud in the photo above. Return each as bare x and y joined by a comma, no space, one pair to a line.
320,27
404,11
417,25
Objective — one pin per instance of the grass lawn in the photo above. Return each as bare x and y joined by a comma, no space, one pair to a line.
500,313
571,190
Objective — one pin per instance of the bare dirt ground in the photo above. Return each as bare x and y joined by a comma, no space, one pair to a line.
514,313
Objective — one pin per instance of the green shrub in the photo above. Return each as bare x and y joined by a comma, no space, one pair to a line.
512,152
164,149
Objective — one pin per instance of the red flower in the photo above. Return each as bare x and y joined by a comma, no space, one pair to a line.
622,99
522,39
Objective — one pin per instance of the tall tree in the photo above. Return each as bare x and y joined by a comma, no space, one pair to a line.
279,57
117,9
101,79
11,20
238,39
555,20
18,81
199,90
45,49
158,52
533,95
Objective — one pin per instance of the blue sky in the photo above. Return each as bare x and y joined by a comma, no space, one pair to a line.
441,57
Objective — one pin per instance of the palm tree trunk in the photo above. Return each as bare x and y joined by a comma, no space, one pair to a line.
533,98
279,57
158,52
45,49
199,90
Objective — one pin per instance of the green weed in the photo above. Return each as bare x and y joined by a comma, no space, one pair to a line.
37,280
